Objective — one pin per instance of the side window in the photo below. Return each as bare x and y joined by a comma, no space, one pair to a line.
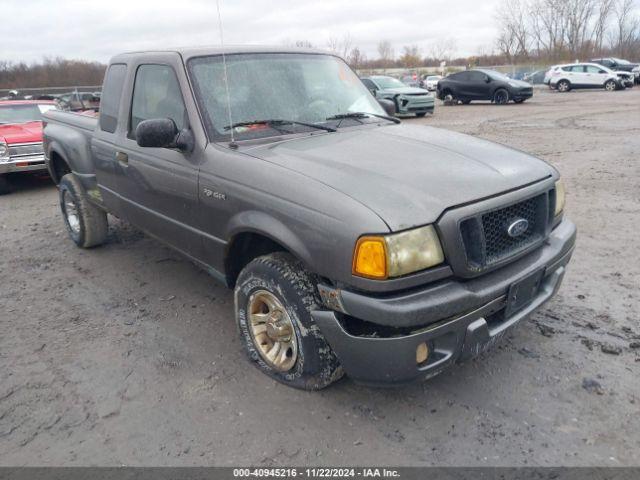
593,69
461,77
476,77
369,84
156,94
111,93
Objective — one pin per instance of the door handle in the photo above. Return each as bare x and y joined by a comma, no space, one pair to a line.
122,158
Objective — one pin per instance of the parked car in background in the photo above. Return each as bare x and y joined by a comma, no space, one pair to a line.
21,138
620,65
355,244
431,82
79,101
587,75
481,84
412,81
406,99
535,78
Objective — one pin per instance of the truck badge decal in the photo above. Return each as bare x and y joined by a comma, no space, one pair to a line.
213,194
518,227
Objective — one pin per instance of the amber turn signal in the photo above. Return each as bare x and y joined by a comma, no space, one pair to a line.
370,259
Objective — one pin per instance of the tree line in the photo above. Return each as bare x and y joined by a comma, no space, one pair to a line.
56,72
566,30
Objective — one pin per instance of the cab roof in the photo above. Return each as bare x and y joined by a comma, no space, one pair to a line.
190,52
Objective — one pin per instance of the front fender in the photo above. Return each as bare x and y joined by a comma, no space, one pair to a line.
262,223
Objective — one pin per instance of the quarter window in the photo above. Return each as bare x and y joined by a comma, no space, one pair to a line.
156,94
111,94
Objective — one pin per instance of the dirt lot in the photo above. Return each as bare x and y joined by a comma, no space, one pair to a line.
128,354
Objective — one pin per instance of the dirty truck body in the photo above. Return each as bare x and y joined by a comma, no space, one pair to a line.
354,244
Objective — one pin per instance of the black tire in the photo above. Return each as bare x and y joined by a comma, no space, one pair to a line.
563,86
286,279
421,114
501,96
5,186
87,225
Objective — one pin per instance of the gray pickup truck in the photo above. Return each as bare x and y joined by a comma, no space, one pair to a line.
354,244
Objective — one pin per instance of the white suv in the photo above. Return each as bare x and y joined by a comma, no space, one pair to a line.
584,75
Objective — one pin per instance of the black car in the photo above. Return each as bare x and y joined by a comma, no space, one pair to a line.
482,84
617,64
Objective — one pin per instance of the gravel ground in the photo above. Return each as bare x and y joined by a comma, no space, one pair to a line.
128,354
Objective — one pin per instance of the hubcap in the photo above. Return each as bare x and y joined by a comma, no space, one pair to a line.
272,331
610,86
71,212
563,87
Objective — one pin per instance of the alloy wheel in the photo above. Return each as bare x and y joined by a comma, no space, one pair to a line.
71,212
272,331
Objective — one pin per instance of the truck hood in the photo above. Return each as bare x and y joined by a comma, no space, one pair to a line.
408,175
21,132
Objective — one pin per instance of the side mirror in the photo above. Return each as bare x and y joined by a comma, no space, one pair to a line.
487,79
163,133
388,105
373,91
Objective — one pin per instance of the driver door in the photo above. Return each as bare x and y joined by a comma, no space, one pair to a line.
159,186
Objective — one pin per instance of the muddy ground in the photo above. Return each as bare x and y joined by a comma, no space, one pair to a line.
128,354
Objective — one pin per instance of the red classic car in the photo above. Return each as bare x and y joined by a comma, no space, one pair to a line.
21,137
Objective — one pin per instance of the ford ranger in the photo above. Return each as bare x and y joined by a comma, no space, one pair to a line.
354,244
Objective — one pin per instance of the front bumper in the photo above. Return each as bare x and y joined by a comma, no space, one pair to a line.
23,164
522,94
415,104
456,319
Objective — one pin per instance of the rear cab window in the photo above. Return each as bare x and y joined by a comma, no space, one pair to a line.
111,95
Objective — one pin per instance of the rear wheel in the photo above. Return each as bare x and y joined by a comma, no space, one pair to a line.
563,86
610,85
5,187
274,298
87,224
501,97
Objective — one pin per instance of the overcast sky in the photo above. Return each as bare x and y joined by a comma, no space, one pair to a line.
97,30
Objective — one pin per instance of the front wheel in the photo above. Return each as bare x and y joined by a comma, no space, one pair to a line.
563,86
274,298
610,85
501,97
86,223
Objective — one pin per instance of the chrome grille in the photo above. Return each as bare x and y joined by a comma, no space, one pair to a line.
25,150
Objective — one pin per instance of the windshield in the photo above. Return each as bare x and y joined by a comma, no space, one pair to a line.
496,75
23,113
388,82
620,61
307,88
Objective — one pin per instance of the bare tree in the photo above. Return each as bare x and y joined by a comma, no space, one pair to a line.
548,26
443,49
601,23
626,27
356,58
513,39
333,44
578,16
386,52
410,56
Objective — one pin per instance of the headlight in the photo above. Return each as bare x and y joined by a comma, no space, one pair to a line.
560,198
398,254
4,152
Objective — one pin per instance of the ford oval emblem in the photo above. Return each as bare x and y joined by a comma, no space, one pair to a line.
518,227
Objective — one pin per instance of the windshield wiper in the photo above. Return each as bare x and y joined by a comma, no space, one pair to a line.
359,115
275,123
